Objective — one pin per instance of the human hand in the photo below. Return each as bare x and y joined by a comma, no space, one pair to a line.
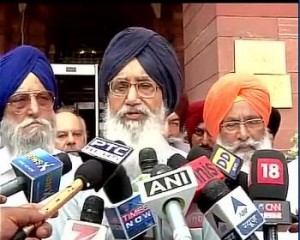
13,218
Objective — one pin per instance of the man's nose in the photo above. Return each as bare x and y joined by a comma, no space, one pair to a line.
243,133
70,139
132,96
34,107
205,139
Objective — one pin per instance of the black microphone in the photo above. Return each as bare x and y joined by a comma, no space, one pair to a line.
197,152
43,181
89,226
268,186
118,187
147,160
231,213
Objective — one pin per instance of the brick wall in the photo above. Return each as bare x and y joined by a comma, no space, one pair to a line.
209,34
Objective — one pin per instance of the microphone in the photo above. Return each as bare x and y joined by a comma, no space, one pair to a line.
230,213
38,175
196,152
114,152
227,162
203,169
89,226
128,217
118,187
110,153
268,186
147,160
169,195
87,176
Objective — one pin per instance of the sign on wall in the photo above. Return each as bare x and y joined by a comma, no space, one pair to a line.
266,59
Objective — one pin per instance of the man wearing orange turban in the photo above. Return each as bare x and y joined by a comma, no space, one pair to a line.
236,114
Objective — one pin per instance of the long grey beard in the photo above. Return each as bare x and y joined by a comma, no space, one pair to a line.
264,143
137,134
20,142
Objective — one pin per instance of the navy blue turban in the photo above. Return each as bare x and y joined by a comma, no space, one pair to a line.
153,52
16,64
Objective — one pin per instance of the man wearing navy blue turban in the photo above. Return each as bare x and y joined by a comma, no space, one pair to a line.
28,95
28,98
141,81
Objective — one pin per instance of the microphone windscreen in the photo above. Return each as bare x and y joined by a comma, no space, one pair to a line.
91,173
118,188
160,169
211,193
147,159
65,159
268,176
92,210
176,161
197,152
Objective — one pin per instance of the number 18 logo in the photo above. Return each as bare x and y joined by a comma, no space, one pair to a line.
270,171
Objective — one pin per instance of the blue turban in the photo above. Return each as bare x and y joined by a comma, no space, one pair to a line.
153,52
16,64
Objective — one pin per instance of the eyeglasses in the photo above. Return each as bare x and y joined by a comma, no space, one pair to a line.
20,102
235,126
144,88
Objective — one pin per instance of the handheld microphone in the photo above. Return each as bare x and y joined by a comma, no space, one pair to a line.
89,226
128,217
196,152
230,213
114,152
87,176
38,175
147,160
227,162
268,186
203,169
169,195
110,153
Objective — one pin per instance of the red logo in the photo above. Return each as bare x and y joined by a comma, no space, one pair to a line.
270,171
85,232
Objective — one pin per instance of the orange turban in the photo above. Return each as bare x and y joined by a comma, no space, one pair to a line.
225,91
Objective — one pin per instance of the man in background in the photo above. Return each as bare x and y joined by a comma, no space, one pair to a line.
174,129
195,126
238,120
71,132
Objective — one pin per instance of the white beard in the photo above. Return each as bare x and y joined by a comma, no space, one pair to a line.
264,143
20,141
137,134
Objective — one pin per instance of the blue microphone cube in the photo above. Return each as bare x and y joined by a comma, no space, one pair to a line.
129,218
42,172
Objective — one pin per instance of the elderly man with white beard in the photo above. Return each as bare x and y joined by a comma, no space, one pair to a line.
28,98
238,120
141,79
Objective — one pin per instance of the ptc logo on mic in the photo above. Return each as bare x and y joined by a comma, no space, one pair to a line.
107,150
228,163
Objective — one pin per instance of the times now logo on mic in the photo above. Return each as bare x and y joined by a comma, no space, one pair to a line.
107,150
129,218
227,162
